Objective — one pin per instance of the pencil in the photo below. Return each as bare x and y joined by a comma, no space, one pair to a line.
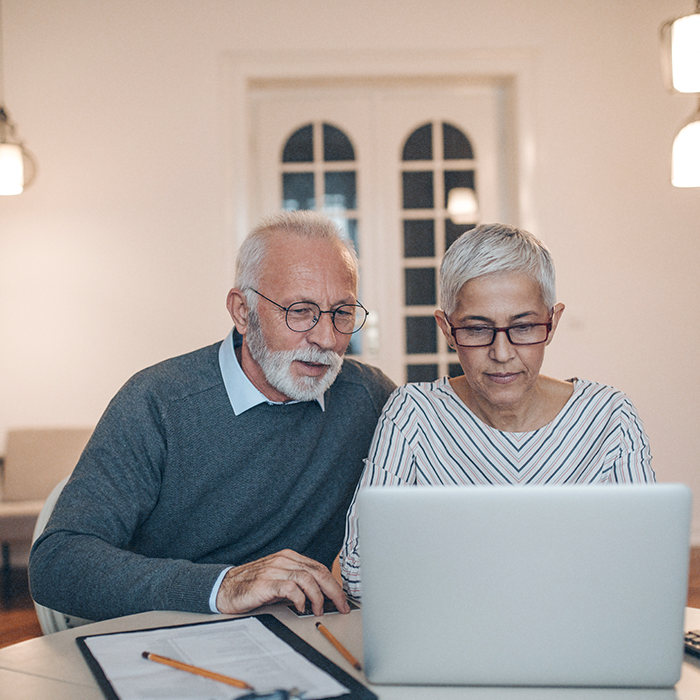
196,670
338,646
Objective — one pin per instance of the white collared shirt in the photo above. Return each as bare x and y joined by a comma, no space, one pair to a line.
241,392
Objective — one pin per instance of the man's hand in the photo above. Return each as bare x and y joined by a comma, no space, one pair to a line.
285,575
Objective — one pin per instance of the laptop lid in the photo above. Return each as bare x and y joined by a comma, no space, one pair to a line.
535,585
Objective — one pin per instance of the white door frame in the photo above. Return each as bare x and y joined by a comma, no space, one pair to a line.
241,72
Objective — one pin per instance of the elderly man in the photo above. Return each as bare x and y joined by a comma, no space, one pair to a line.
219,480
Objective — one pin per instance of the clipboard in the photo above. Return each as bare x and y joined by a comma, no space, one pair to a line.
357,691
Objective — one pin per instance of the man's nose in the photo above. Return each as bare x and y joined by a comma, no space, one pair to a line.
323,334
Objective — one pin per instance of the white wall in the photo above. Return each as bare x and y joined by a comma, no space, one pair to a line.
119,255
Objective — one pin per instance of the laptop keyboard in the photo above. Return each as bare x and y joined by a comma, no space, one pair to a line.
328,607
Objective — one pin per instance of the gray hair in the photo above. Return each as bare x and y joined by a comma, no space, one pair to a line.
491,248
307,224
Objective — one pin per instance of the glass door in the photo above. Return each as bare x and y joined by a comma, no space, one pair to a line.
381,160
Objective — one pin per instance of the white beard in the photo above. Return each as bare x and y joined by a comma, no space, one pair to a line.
276,366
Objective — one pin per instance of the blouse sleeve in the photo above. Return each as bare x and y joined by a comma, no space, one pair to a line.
633,464
390,463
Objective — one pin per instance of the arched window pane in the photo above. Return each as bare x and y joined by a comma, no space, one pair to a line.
418,190
300,146
420,286
421,373
336,145
349,229
309,181
421,335
454,231
458,178
418,238
455,144
419,145
340,189
298,190
428,237
454,369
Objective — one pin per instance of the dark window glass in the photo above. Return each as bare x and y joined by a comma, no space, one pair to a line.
454,231
420,286
455,144
458,178
340,187
300,146
355,346
349,226
419,145
455,369
421,373
298,190
336,145
418,238
352,234
418,190
421,335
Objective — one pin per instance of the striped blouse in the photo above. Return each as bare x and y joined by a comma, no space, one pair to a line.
427,435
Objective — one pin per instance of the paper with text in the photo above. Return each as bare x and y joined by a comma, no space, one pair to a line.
244,649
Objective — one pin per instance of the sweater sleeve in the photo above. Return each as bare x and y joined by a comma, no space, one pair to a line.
86,544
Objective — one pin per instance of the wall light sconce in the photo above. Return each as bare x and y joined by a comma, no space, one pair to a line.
462,205
17,164
680,55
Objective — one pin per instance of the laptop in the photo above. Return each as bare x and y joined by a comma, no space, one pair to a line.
524,586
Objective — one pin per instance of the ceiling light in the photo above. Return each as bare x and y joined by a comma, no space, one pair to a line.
685,159
462,205
680,41
17,164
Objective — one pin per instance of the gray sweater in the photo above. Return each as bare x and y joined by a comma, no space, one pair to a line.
173,487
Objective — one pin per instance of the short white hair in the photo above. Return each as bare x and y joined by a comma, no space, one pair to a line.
304,223
491,248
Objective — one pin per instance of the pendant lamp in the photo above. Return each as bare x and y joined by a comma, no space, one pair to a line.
685,161
17,164
462,205
680,46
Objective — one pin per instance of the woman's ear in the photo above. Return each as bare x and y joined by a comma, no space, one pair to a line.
557,311
444,327
237,306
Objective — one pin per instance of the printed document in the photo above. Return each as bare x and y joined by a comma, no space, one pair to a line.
242,648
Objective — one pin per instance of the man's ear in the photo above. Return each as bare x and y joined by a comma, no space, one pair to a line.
238,308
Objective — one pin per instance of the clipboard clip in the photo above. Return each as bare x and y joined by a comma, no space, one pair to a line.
293,694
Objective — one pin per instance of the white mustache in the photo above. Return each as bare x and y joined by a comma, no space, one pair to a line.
321,357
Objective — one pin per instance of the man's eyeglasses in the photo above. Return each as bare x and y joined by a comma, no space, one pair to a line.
302,316
481,336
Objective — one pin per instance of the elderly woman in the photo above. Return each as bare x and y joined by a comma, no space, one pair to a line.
501,422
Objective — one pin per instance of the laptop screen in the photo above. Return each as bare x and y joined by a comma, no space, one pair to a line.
535,585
